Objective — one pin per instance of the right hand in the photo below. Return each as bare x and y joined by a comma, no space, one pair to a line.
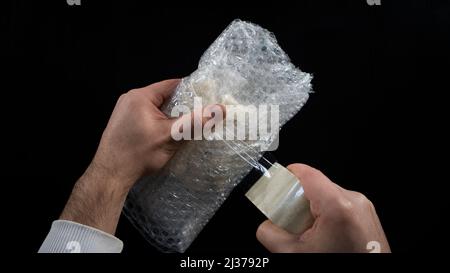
345,221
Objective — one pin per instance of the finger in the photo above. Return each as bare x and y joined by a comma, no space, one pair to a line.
275,239
316,185
190,126
161,91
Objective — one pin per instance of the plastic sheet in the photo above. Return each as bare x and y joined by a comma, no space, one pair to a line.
244,66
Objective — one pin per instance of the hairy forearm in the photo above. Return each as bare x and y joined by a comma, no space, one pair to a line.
97,199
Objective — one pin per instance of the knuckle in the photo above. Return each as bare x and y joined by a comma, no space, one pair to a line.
341,209
360,200
131,99
345,208
121,98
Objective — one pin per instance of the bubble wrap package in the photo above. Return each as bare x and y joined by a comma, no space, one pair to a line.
244,65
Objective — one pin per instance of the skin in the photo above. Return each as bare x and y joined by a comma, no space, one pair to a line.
345,221
137,142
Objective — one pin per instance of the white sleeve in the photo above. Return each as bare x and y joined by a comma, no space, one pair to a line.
70,237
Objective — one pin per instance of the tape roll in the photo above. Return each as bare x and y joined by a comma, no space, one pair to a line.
280,196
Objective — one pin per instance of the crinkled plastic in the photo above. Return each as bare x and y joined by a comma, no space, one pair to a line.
244,65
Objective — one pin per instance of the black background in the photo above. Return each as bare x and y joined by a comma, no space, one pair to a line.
375,123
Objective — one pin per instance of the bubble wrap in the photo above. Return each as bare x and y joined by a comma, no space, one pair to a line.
244,65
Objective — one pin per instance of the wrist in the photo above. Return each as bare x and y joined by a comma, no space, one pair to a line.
116,168
97,198
106,179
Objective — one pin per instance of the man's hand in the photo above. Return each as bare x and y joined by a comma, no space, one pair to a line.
137,139
345,221
136,142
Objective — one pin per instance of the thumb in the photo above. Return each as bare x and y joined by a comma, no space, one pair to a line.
276,239
190,126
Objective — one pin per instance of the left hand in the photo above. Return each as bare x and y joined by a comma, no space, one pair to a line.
137,141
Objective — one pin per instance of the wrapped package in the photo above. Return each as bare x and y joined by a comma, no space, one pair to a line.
244,66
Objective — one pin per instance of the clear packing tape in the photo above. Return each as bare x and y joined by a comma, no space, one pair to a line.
244,66
280,196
